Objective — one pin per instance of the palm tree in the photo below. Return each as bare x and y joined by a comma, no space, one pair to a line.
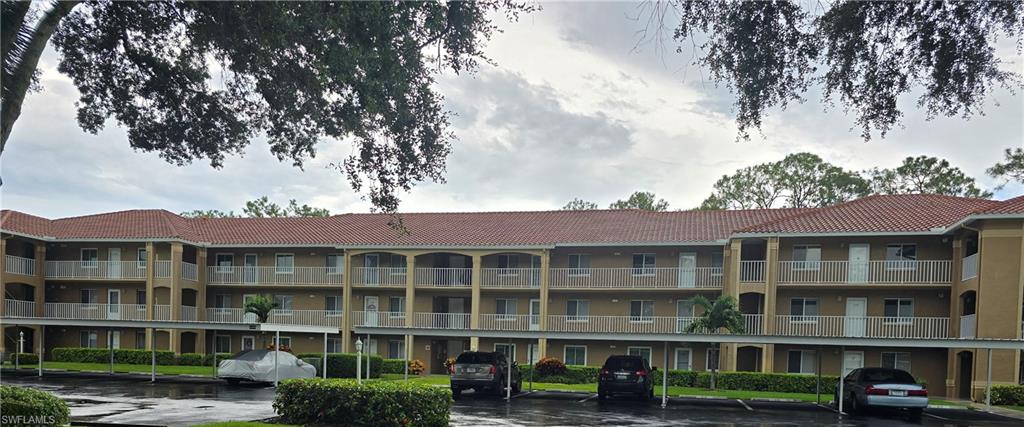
721,314
261,306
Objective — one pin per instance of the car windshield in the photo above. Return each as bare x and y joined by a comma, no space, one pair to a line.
891,376
624,363
476,358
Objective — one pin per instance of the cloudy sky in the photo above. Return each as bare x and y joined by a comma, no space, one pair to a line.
573,109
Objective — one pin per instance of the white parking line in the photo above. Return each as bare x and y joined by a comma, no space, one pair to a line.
745,405
936,416
591,397
521,394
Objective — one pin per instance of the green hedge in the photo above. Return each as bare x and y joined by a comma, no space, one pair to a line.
343,365
1008,395
190,359
572,375
102,355
748,381
208,358
317,401
393,366
28,407
24,358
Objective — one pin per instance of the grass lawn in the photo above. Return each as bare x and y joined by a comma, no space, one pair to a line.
1014,407
123,367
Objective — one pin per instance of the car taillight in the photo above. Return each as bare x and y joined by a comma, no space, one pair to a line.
922,393
451,370
641,373
604,372
876,391
494,369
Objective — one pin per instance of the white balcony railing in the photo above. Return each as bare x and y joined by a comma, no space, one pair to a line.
969,267
752,271
510,278
871,272
95,270
272,276
619,324
665,278
19,308
379,319
189,313
444,277
379,276
20,265
869,326
189,271
161,312
441,320
162,269
753,324
509,322
64,310
968,325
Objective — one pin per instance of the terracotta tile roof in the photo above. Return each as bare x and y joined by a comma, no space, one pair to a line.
1011,206
133,224
24,223
905,213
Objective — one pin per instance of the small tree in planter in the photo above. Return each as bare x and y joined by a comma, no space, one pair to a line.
261,306
721,314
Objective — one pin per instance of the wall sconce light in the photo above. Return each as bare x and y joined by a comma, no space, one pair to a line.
614,300
617,253
839,298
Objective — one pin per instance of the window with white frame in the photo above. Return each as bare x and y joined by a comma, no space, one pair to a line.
801,362
711,361
248,342
225,262
88,339
335,264
507,262
398,264
332,304
577,310
90,257
223,344
533,353
804,309
899,310
87,296
579,264
644,352
222,301
284,263
286,342
334,345
396,306
901,256
140,340
142,257
896,360
643,264
508,349
641,311
506,308
284,304
396,349
575,355
684,358
806,257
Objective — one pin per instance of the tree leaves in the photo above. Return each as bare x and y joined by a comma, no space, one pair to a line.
925,175
577,204
643,200
262,208
1011,170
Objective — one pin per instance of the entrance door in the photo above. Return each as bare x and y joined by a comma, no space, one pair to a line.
963,385
115,339
371,262
855,322
248,342
438,353
684,315
687,269
859,265
456,309
250,271
248,317
113,304
852,360
534,314
370,308
114,266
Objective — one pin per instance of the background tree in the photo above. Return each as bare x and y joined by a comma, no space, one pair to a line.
260,208
200,80
1011,170
722,315
870,54
643,200
927,175
261,306
799,180
578,204
209,213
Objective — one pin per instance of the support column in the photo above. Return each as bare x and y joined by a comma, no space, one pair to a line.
201,284
39,290
474,305
150,292
545,284
771,281
174,340
3,273
731,256
346,302
410,290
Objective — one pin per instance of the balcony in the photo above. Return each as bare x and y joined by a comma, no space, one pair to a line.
162,269
867,327
969,267
20,265
379,276
189,271
752,271
444,277
865,272
219,275
19,308
380,319
510,278
968,325
79,311
325,318
509,322
189,313
96,270
636,278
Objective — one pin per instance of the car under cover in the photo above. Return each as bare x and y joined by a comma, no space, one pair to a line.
258,365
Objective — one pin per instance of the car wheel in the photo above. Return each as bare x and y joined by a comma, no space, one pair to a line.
651,394
517,387
456,393
233,381
854,404
601,395
915,414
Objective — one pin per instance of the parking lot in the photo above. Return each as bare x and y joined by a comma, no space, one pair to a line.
182,402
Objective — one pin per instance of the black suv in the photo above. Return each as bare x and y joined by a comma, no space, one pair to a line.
483,371
626,374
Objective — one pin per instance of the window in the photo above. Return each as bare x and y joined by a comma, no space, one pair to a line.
332,304
285,264
711,362
509,350
899,310
804,309
644,352
286,342
806,257
579,264
88,339
575,355
88,296
577,310
140,299
396,349
533,353
335,264
896,360
641,311
683,357
801,362
225,262
901,257
140,340
90,257
142,257
507,261
717,262
643,264
396,307
222,301
334,345
284,304
506,309
248,342
223,344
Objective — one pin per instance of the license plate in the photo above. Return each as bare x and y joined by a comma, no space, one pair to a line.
900,393
620,376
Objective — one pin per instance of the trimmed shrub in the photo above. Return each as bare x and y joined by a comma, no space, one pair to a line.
102,355
417,367
448,363
343,365
393,366
550,366
1008,394
208,358
25,358
29,407
571,375
317,401
190,359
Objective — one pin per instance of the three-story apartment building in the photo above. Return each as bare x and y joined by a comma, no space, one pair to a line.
930,284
